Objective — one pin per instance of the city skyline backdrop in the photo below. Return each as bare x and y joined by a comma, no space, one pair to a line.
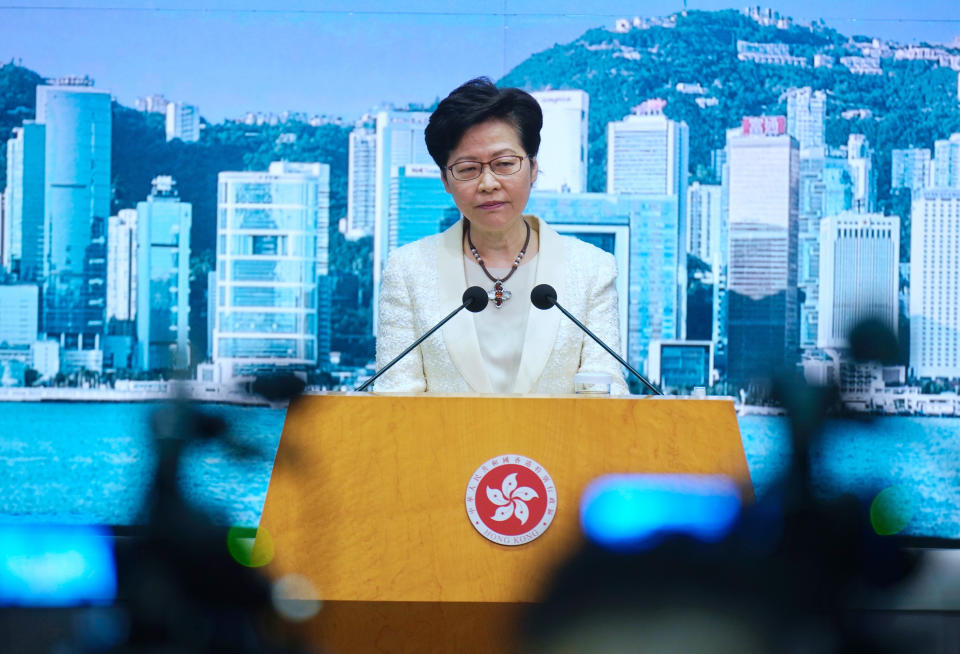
346,58
778,210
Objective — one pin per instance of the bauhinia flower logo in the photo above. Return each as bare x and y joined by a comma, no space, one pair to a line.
506,487
511,500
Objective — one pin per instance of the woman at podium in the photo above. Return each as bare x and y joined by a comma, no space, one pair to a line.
485,140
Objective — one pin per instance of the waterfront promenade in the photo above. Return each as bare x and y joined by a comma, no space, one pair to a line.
153,391
901,401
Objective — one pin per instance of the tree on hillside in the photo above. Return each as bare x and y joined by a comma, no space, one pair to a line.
18,102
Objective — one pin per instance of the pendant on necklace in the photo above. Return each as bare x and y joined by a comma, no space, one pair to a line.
498,294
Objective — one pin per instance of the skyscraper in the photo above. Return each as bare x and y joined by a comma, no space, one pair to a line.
163,278
183,122
909,168
5,259
419,205
859,274
805,112
122,266
563,149
640,231
860,164
647,154
273,300
704,208
946,164
19,318
720,318
935,283
361,180
762,297
154,104
806,109
826,189
399,142
24,197
78,126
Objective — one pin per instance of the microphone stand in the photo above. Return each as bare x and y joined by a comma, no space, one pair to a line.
656,391
466,303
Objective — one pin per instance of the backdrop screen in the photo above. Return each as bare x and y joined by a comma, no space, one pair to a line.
207,191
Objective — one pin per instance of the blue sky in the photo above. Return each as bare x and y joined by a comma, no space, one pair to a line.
344,58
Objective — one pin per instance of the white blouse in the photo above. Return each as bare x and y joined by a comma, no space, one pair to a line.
501,331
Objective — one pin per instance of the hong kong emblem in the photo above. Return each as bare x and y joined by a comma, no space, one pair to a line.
511,499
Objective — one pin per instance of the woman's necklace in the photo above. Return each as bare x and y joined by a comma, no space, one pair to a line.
497,294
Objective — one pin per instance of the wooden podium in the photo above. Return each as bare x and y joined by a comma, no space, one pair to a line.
367,501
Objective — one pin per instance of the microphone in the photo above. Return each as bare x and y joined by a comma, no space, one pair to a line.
544,296
474,299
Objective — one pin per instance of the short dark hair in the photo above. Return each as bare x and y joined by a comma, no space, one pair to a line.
475,102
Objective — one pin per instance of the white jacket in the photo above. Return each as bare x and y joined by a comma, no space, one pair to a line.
424,281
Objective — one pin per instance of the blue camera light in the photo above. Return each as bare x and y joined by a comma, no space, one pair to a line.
56,565
634,512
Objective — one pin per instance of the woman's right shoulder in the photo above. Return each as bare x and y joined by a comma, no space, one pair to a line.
414,253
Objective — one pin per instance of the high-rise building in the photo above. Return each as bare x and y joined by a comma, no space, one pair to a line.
826,189
859,274
273,299
719,318
681,365
805,113
946,163
762,302
211,310
183,122
562,158
19,320
706,240
152,104
119,341
122,266
640,231
419,204
78,124
806,110
935,284
5,236
718,159
399,142
24,197
361,180
647,154
20,348
163,278
704,216
860,165
909,168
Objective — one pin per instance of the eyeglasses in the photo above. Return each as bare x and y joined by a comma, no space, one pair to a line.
508,164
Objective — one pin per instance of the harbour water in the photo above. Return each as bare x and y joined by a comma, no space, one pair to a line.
92,462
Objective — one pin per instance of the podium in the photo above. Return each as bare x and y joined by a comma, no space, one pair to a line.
367,501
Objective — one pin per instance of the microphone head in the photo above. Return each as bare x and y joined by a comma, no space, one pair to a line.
475,299
543,296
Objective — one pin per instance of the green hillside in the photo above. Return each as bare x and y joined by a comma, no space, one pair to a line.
912,103
18,102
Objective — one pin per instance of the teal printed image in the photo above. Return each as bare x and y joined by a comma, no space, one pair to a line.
191,196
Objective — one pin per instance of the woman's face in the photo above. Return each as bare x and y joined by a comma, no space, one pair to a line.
491,203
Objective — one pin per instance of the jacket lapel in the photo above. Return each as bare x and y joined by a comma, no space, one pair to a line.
460,334
542,326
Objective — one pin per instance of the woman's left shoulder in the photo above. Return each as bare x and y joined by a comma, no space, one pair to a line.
583,253
583,249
